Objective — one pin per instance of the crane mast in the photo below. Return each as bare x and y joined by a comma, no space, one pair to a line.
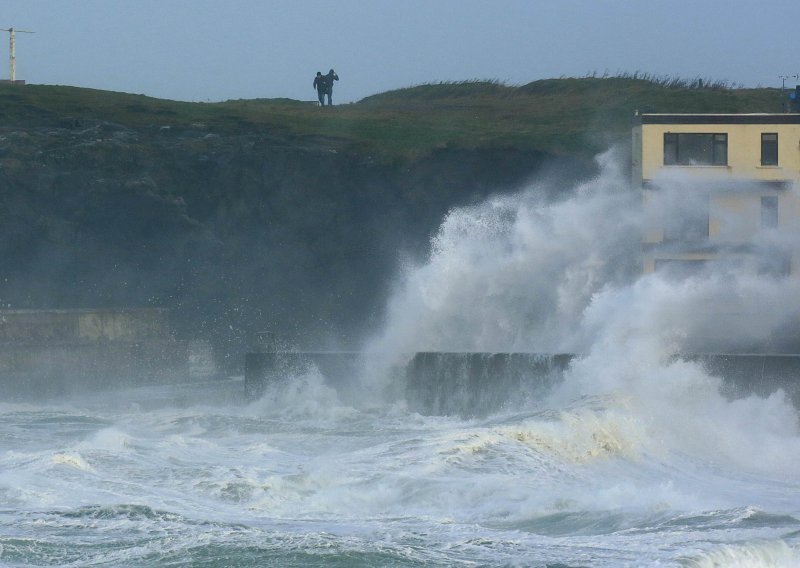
12,55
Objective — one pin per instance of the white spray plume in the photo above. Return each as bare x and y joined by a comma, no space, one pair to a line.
515,273
518,273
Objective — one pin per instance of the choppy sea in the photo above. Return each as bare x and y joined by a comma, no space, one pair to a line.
192,476
635,459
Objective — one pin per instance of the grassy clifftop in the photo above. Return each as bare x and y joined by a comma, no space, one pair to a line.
558,116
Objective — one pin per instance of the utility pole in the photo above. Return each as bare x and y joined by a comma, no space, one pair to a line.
783,89
12,55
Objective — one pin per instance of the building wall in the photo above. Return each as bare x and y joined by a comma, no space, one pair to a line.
744,151
734,204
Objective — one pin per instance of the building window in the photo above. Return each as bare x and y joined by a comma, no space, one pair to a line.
690,149
769,212
688,225
769,149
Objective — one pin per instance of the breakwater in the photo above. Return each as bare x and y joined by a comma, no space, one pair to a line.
475,384
52,353
478,383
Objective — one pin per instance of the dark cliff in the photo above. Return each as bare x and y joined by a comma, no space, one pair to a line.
236,233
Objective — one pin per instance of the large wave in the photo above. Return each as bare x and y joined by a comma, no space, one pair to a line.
522,273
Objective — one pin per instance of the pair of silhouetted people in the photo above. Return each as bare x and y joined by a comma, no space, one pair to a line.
324,86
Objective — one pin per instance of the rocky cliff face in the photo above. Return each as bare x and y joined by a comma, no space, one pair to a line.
236,233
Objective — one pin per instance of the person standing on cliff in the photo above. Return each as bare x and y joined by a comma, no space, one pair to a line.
329,79
321,85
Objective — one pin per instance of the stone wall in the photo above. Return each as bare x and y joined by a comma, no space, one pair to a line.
83,325
47,353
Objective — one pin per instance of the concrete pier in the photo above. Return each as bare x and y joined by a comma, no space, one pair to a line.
476,384
752,373
442,383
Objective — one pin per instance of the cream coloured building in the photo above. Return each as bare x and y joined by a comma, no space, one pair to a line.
718,188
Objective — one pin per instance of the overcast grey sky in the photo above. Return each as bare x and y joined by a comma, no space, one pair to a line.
212,50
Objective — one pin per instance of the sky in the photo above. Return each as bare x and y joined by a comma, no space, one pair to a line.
215,50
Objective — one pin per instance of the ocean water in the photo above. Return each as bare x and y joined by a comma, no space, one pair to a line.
177,476
634,459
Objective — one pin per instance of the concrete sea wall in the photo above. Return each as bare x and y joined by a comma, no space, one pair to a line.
48,353
475,384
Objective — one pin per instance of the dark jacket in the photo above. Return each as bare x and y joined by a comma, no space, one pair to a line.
329,79
321,83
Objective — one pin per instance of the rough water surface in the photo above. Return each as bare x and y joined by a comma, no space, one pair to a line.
158,477
635,457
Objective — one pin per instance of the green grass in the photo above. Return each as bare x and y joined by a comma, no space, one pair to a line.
576,116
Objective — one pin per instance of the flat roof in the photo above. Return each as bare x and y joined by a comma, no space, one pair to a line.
752,118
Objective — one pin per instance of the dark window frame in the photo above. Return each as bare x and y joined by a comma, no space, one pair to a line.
697,149
769,149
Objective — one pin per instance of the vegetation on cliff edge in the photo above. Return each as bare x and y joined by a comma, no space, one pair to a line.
576,117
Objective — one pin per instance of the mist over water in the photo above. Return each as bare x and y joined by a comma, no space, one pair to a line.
635,459
517,272
520,273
